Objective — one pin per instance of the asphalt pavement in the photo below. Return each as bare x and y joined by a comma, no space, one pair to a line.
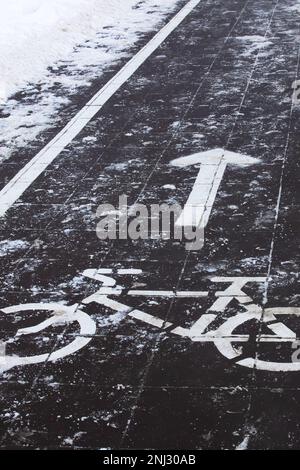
141,374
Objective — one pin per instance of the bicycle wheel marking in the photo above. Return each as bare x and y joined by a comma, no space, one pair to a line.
60,314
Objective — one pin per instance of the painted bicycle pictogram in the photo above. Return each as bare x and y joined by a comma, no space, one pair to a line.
225,337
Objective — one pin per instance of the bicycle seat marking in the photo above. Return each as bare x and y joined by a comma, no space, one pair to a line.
224,336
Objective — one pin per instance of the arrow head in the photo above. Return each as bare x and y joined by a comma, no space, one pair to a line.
214,157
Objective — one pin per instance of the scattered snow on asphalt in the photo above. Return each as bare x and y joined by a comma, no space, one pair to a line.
11,246
61,45
254,44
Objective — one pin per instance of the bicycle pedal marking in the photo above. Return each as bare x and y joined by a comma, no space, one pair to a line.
223,337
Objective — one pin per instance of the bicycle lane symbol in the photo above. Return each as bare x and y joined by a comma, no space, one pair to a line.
223,337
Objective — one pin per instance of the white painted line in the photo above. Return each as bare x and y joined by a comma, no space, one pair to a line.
168,293
25,177
150,319
131,271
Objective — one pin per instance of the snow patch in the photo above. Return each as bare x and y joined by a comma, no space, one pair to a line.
244,444
112,320
36,33
11,246
48,49
254,44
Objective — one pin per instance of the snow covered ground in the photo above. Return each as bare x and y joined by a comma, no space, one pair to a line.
40,37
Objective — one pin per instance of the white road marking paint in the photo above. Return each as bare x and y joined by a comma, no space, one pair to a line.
110,287
109,283
122,308
30,172
60,314
234,291
203,330
223,336
150,293
168,293
213,164
226,348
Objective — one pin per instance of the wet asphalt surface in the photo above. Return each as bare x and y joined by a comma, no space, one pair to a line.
222,79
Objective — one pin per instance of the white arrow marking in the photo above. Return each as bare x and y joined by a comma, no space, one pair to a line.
213,164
